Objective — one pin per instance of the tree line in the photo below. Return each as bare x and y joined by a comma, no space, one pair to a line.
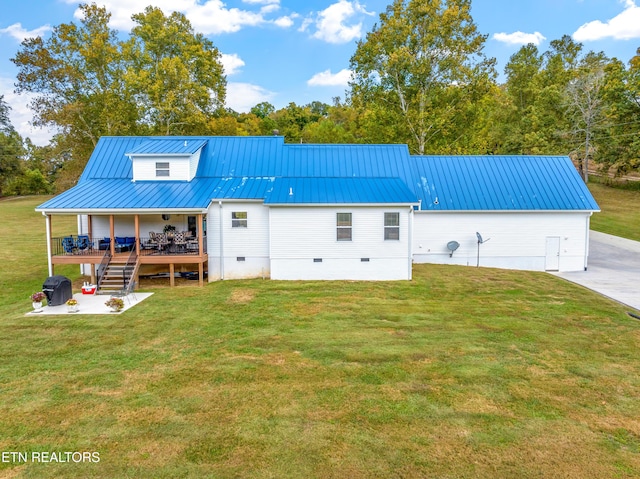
420,77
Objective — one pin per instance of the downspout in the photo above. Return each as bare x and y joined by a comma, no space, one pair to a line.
221,244
47,223
586,240
410,243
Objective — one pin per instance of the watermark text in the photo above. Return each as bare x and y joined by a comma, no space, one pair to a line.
49,456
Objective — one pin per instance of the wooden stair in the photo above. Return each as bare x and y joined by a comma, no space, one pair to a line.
116,276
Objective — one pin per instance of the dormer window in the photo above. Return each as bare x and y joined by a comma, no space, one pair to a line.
162,169
166,159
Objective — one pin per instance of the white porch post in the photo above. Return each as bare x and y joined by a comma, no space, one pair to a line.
47,223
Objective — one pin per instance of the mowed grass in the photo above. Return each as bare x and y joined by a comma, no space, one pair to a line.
460,373
620,213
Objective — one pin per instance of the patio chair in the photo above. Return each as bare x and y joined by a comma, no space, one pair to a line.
83,242
104,243
161,239
180,241
128,291
68,244
192,242
150,243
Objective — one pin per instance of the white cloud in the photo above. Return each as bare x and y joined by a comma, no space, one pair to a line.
21,116
624,26
16,31
520,38
332,22
206,16
241,97
285,22
326,78
231,63
262,2
305,24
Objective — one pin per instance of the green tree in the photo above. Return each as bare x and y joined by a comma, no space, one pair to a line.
11,150
585,105
619,145
77,79
5,121
86,83
291,121
31,182
521,71
263,110
175,74
340,123
419,70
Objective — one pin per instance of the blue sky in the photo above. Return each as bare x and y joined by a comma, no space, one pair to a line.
284,51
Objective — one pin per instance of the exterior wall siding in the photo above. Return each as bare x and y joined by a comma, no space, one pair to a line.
515,240
144,169
302,236
250,244
194,160
125,224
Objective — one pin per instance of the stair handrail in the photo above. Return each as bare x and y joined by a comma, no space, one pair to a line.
104,264
132,261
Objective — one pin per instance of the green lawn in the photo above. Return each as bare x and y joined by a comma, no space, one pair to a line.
620,213
460,373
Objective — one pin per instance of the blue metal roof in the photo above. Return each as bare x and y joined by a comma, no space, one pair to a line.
124,194
364,161
243,156
168,146
289,191
265,168
493,183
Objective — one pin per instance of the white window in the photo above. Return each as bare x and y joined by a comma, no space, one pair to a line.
343,225
239,219
162,168
392,226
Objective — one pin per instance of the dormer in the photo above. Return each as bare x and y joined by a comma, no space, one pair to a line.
162,159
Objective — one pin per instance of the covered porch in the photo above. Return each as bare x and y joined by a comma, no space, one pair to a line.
170,241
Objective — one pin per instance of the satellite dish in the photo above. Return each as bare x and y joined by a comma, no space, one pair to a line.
452,246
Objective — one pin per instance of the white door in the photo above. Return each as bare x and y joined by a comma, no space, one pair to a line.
552,262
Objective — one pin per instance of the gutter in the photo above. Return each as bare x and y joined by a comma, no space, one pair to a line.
118,211
441,211
221,244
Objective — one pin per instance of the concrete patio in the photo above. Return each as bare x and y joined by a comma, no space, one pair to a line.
92,304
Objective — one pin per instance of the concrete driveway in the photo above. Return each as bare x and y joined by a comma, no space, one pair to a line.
613,269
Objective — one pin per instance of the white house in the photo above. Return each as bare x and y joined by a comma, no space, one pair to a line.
243,207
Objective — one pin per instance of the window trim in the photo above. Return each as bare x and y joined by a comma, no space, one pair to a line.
342,227
391,230
239,219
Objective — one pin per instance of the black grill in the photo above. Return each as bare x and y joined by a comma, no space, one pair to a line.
57,289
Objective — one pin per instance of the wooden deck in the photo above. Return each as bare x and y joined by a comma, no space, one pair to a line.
95,257
147,257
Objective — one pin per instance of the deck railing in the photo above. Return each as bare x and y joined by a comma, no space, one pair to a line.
150,246
84,245
78,245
